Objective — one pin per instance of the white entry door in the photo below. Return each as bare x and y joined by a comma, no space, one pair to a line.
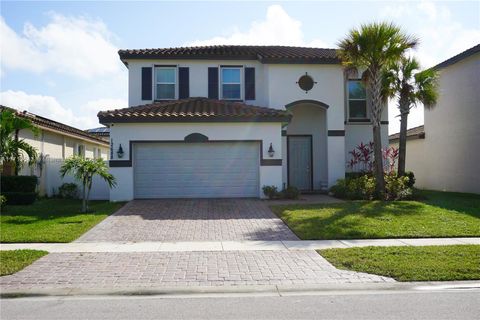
196,170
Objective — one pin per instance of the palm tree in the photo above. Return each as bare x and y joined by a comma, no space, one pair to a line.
410,86
13,149
372,47
84,170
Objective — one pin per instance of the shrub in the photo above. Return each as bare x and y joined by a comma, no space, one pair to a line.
68,191
19,198
397,187
18,183
339,190
3,200
411,179
363,188
270,191
290,193
351,175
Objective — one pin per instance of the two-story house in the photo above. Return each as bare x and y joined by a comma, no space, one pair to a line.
223,121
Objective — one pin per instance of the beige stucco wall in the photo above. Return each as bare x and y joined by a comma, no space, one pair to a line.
59,146
448,158
416,161
452,130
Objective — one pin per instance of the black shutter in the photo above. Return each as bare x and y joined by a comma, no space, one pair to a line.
213,83
183,83
249,83
146,83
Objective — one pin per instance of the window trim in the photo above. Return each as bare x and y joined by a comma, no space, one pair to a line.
351,118
241,83
175,83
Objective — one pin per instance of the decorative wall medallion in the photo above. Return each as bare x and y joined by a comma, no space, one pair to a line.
306,82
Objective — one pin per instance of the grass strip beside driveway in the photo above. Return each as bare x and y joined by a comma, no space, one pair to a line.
51,220
429,263
438,214
16,260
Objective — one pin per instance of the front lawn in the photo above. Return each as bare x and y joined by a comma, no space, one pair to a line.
16,260
51,220
438,214
431,263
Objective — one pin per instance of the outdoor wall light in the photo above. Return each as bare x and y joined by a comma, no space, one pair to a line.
270,151
120,151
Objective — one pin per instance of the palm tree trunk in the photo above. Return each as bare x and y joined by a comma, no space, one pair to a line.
402,144
88,195
376,114
84,198
17,156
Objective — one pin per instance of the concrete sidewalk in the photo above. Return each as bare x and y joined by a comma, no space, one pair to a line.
230,245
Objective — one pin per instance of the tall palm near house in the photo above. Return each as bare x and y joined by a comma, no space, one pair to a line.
372,48
410,86
13,149
84,170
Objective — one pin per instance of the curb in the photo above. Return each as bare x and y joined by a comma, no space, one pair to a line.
255,290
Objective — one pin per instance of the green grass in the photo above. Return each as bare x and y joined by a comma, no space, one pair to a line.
51,220
16,260
431,263
437,214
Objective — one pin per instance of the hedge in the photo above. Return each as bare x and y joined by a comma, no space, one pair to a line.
19,198
18,189
18,183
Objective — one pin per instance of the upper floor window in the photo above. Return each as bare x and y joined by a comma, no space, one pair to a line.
357,99
231,81
165,82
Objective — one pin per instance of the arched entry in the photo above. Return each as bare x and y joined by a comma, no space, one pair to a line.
306,145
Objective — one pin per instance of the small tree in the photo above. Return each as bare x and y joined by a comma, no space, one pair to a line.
410,86
373,47
84,170
13,149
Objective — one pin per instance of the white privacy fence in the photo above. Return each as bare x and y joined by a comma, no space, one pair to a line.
49,180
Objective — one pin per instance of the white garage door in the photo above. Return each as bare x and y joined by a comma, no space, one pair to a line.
196,170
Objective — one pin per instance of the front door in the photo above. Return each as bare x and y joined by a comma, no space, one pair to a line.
300,162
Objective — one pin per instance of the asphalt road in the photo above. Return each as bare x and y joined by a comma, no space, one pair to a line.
459,304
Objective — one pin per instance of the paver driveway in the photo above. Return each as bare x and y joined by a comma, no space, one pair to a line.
191,220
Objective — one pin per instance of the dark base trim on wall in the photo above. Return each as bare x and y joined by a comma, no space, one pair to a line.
120,163
336,133
270,162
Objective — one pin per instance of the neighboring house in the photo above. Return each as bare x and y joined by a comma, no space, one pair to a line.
444,153
224,121
100,132
54,143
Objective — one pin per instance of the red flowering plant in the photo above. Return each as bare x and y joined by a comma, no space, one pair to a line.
390,157
362,158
